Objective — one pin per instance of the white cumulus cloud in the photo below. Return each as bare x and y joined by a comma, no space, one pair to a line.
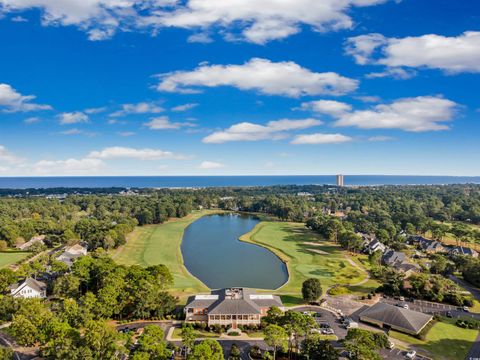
246,131
119,152
75,117
164,123
257,21
12,101
8,157
206,165
271,78
319,138
68,167
452,54
184,107
139,108
329,107
423,113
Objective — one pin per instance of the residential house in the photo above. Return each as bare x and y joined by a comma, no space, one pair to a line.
426,245
30,288
230,307
374,246
461,250
399,261
34,240
71,253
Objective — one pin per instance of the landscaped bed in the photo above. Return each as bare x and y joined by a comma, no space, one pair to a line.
444,341
177,334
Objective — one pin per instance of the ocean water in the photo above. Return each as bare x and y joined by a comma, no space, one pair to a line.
217,181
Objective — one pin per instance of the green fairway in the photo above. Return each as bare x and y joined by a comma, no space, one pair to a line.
160,244
10,258
445,341
306,255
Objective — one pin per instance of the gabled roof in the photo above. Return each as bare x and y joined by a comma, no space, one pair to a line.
234,301
408,320
393,258
463,250
31,283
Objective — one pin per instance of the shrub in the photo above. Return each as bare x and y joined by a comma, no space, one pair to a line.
234,333
338,290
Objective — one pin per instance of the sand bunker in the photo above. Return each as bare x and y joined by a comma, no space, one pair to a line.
318,251
311,243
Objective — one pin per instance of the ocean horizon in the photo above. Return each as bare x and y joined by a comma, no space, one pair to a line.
224,181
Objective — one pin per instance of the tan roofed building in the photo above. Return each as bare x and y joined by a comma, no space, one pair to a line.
397,318
230,307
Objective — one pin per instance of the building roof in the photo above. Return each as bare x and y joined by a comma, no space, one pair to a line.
31,283
463,250
400,318
394,258
234,301
76,249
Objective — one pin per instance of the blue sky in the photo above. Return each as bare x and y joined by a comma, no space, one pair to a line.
167,87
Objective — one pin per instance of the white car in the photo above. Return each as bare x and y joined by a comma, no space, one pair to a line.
402,298
405,306
411,354
328,331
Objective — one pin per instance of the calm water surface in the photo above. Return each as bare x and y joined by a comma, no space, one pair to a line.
212,252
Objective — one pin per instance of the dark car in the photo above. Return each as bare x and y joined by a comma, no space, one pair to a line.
449,314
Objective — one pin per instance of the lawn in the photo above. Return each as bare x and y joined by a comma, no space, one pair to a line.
306,255
11,257
445,341
160,244
177,334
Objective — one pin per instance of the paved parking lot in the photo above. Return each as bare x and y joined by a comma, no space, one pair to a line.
326,317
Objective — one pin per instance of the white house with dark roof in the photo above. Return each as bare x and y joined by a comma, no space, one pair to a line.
230,307
30,288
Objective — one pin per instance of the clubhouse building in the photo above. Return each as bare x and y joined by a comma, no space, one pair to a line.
230,307
397,318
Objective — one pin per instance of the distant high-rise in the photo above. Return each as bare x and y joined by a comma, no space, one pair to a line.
340,180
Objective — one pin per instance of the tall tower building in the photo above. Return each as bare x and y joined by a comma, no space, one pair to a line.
340,180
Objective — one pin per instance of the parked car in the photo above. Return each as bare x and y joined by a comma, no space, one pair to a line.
449,314
411,354
401,298
466,309
324,325
391,345
405,306
328,331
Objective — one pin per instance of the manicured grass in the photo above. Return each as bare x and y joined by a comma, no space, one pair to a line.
160,244
288,241
444,341
177,334
11,257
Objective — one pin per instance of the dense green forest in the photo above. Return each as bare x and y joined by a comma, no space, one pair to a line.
103,220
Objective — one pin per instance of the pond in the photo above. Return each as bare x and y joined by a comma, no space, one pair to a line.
213,253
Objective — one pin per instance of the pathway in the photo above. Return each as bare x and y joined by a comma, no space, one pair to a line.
355,265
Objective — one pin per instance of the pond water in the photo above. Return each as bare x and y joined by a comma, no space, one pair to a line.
212,252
